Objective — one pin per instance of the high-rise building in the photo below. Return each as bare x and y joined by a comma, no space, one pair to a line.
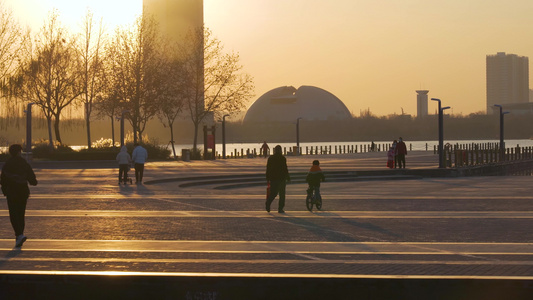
507,80
176,17
422,103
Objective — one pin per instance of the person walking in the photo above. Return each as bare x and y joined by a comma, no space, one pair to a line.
394,151
16,173
277,174
401,152
390,158
139,157
265,149
124,162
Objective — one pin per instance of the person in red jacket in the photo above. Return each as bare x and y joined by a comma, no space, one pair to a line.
314,177
401,152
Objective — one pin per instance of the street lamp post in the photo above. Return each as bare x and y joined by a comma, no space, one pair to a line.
224,136
298,136
502,143
441,133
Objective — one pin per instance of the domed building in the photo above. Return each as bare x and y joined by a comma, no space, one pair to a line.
286,104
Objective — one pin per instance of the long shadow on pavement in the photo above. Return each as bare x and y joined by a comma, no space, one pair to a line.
340,235
11,254
139,189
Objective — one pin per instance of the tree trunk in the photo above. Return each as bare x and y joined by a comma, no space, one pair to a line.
50,139
195,144
172,140
113,131
136,138
56,130
88,125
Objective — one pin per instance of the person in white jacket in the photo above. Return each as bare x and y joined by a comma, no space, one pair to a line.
139,156
124,161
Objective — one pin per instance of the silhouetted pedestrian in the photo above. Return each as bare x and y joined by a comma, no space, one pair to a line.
124,162
265,149
16,173
401,152
277,174
139,157
394,144
390,158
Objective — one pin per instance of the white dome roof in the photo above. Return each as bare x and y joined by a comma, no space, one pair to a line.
286,104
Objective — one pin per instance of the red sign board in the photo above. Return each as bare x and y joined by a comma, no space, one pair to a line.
210,141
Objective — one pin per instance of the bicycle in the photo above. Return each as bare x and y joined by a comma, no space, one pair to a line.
313,198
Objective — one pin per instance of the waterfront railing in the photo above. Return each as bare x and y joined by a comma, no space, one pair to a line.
482,154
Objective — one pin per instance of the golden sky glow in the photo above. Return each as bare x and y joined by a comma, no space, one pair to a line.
113,12
372,54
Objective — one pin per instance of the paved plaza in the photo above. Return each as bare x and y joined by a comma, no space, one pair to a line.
203,218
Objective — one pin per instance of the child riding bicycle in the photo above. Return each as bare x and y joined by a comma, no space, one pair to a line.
314,177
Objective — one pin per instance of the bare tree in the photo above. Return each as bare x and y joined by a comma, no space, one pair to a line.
90,50
107,101
11,38
216,84
49,73
171,101
137,63
171,104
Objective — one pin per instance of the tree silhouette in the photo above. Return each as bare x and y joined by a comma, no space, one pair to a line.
49,75
215,83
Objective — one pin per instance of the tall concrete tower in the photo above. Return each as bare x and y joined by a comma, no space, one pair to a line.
421,103
176,17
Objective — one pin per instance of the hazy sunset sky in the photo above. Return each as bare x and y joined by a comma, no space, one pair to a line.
372,54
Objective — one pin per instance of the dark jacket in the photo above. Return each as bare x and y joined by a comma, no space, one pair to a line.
314,176
401,148
277,168
16,173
